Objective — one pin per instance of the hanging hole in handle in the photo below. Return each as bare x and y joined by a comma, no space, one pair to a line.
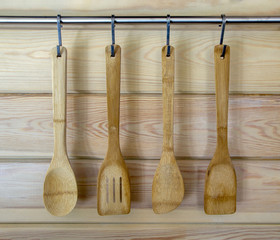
112,51
58,51
224,52
168,51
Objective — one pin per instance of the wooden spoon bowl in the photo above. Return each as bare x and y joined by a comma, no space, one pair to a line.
60,191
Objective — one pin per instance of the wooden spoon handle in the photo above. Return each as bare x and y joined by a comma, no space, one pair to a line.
59,101
167,93
222,91
113,75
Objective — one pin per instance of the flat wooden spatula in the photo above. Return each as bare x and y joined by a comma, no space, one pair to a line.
220,181
168,186
113,195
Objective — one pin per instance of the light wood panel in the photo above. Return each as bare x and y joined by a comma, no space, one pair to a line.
140,231
21,187
178,216
145,7
60,186
113,197
25,64
26,120
220,178
168,186
26,126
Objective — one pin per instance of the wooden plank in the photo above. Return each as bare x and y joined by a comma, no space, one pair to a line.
25,64
146,7
139,231
21,187
26,126
179,216
25,121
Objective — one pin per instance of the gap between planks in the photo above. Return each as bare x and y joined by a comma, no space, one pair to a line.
38,94
21,187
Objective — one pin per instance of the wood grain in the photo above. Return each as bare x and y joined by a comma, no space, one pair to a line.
89,215
21,186
113,196
26,126
168,186
26,120
25,61
220,177
60,186
139,231
146,7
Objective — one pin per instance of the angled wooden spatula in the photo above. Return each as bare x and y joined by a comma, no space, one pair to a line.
168,186
60,187
220,182
113,194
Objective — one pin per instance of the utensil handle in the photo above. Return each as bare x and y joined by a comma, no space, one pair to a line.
168,93
59,66
222,91
113,76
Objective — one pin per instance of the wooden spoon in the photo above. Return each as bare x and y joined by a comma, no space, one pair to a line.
168,185
60,187
220,182
113,195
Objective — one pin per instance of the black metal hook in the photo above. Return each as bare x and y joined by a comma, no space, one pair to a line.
224,20
113,35
168,36
59,35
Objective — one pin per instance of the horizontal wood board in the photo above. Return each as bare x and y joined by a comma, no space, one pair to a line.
26,126
26,120
21,186
140,231
25,63
145,7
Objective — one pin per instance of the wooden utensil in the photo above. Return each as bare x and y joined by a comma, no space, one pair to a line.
220,182
168,185
113,195
60,187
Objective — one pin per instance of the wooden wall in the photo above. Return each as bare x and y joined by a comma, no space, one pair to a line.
26,140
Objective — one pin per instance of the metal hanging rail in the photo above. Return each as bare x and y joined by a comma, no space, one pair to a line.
136,19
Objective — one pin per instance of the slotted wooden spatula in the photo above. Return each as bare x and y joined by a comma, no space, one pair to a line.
113,195
60,187
168,186
220,182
